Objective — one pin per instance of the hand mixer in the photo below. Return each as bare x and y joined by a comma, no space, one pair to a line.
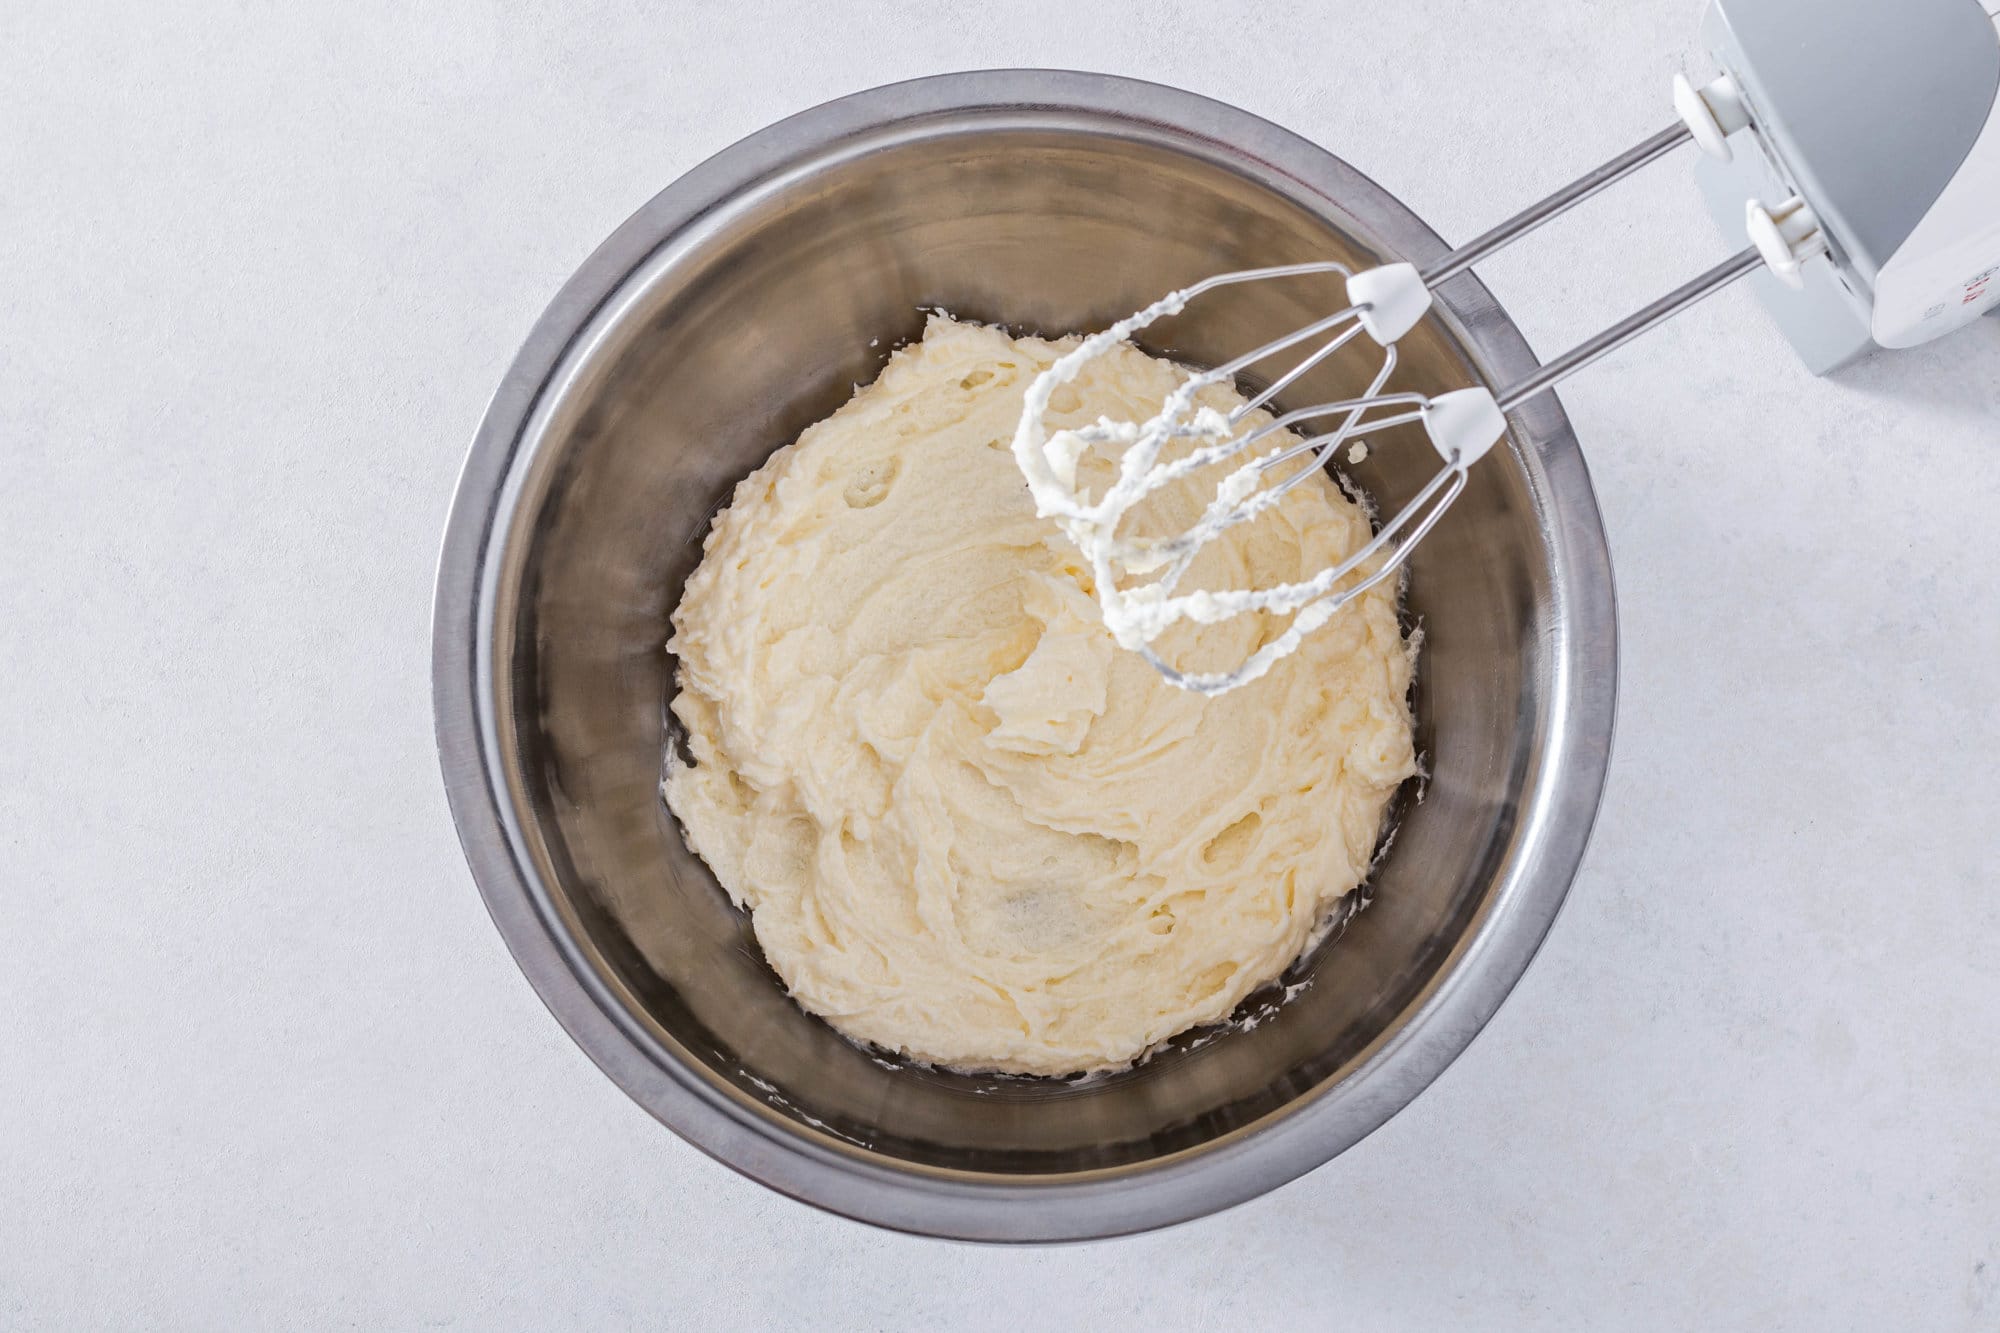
1859,140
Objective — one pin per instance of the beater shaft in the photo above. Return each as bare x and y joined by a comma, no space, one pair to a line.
1562,201
1615,337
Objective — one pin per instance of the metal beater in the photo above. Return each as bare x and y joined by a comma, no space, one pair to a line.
1912,293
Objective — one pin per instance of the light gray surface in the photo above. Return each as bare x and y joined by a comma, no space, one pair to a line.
268,1064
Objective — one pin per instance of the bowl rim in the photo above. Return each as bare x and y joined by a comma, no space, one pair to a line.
1556,820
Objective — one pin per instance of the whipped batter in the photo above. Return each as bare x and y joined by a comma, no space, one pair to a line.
967,826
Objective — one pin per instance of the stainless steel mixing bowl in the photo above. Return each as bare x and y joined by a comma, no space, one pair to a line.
742,304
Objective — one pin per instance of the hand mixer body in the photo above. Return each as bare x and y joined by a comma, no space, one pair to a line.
1884,116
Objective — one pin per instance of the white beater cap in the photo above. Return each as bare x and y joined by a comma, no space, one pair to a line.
1392,299
1464,425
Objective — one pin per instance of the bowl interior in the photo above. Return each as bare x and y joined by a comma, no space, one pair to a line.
759,320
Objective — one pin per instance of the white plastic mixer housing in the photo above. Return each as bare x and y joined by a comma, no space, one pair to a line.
1884,116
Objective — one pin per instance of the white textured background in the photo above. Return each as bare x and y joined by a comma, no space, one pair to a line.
265,1064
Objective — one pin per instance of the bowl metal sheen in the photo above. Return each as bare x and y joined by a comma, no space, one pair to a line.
743,303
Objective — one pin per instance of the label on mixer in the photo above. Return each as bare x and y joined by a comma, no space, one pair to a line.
1981,287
